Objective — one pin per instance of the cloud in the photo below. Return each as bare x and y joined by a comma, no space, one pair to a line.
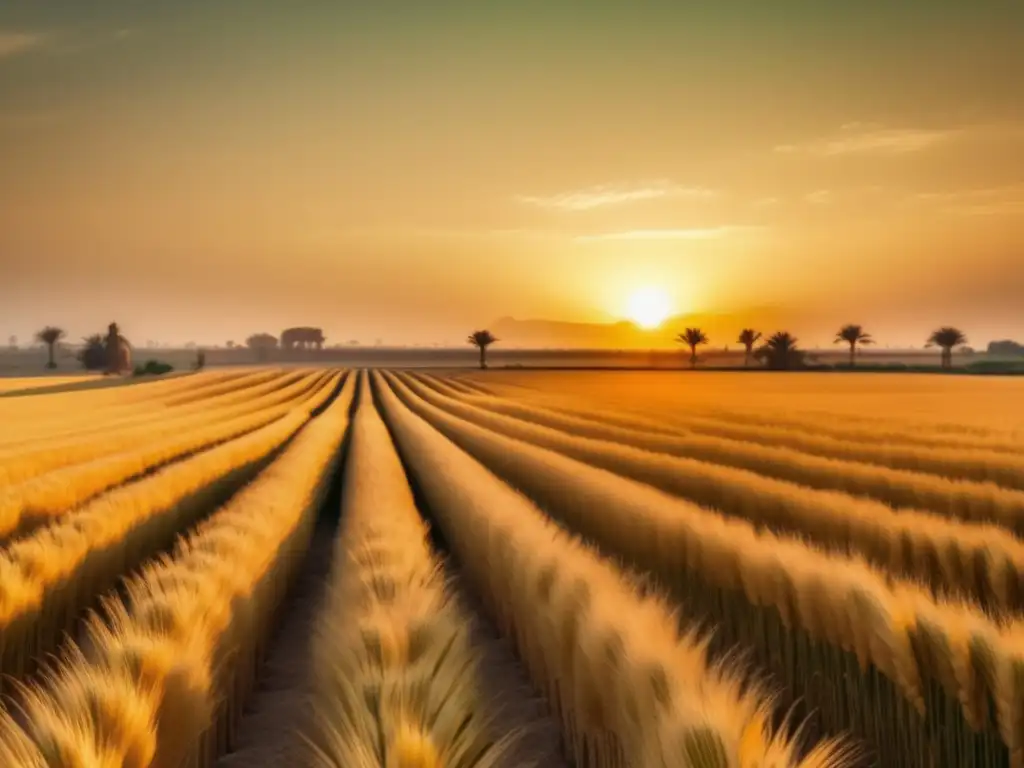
819,197
607,194
766,202
16,43
693,233
871,139
983,201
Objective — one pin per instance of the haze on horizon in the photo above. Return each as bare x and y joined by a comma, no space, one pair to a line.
410,171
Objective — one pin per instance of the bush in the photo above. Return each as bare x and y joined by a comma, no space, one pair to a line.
93,356
153,368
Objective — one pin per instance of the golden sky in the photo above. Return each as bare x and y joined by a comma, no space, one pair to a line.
202,170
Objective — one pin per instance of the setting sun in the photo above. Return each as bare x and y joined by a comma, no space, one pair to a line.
649,307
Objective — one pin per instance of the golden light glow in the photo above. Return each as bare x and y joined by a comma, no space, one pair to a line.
649,307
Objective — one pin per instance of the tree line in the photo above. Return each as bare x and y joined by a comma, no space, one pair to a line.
780,351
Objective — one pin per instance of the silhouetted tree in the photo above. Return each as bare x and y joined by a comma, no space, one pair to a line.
947,338
748,338
780,352
482,340
49,336
12,342
200,360
261,344
853,335
693,338
93,355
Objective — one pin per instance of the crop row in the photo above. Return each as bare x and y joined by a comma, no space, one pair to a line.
34,458
50,495
29,414
162,682
396,674
627,688
969,501
984,562
70,421
914,678
50,576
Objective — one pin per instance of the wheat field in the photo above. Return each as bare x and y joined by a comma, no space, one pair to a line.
414,569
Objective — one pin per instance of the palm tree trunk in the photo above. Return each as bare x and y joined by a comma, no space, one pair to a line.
853,354
693,356
50,362
746,358
483,357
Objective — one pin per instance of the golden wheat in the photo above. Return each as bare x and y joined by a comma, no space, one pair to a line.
66,421
827,610
34,458
50,573
153,416
971,502
629,689
34,417
39,500
395,668
162,684
982,561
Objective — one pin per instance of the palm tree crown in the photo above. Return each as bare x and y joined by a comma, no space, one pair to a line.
49,336
780,352
853,335
693,338
947,338
482,340
748,338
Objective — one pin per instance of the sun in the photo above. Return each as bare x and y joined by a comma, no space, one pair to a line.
649,307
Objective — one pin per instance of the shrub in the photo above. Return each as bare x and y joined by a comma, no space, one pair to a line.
153,368
93,356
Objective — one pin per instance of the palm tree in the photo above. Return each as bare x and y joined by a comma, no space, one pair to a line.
49,336
482,340
693,338
947,338
748,338
853,335
780,352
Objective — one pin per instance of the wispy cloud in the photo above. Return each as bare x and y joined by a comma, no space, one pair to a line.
16,43
766,202
871,139
693,233
819,197
978,201
609,194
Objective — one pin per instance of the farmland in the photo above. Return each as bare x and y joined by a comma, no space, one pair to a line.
414,569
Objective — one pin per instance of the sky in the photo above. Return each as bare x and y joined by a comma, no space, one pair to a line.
205,169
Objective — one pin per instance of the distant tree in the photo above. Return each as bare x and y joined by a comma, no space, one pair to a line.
853,335
748,338
230,345
12,342
261,344
200,360
693,338
93,355
947,338
780,352
50,336
482,340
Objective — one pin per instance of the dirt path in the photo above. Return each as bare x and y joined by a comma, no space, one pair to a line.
511,697
270,732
